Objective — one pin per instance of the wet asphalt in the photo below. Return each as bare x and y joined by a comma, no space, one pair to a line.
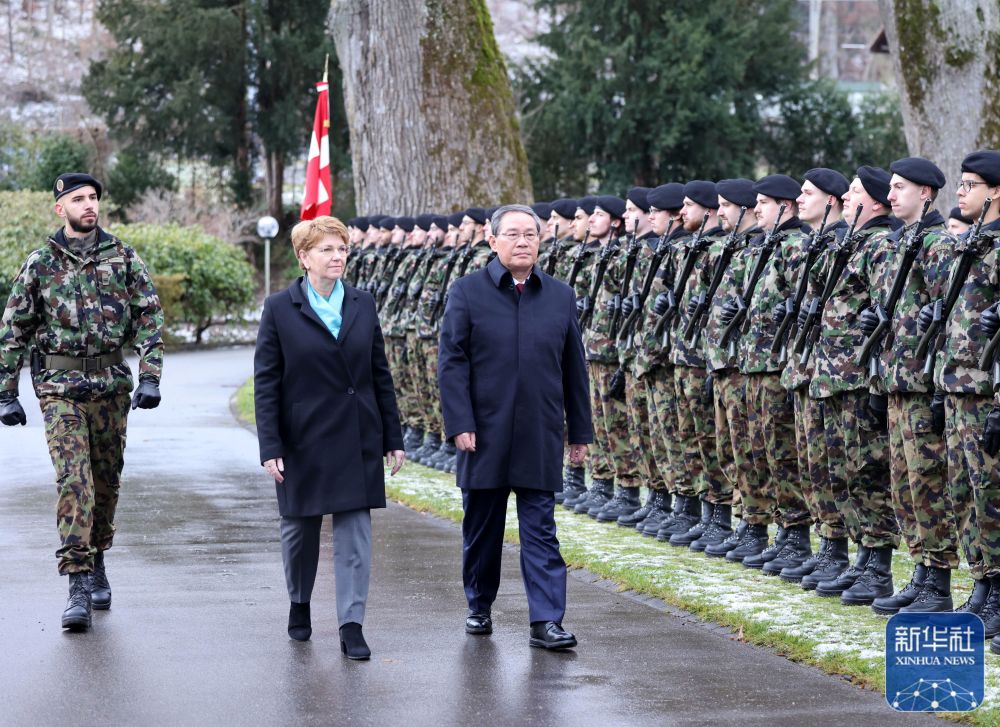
196,633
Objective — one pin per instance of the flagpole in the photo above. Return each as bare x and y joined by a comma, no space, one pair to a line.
326,68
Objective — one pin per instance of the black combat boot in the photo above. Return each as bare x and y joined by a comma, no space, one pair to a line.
719,550
905,596
845,579
977,599
624,503
662,512
769,553
685,516
795,575
598,495
796,550
100,589
76,617
444,455
574,484
431,444
874,582
720,528
991,609
753,543
694,532
606,495
413,442
834,562
634,518
934,596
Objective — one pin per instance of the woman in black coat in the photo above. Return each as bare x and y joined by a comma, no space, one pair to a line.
326,415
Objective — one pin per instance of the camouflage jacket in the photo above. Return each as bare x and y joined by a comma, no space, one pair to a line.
387,262
391,316
430,300
901,370
835,368
716,357
650,353
795,375
429,259
597,341
62,304
582,257
956,368
627,354
777,282
559,256
359,266
681,354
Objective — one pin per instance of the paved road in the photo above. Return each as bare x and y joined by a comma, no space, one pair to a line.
196,634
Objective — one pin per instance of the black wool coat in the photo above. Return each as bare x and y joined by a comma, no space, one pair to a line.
511,369
325,405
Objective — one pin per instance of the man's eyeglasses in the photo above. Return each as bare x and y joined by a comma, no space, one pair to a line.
967,185
515,236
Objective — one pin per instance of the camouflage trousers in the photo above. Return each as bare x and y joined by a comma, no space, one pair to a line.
87,445
974,482
696,431
435,420
810,442
396,355
640,433
917,466
858,462
419,392
661,395
617,459
732,437
771,423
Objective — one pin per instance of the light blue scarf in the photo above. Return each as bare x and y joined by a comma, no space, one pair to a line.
328,309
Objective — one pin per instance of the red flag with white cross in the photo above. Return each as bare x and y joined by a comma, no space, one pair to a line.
318,197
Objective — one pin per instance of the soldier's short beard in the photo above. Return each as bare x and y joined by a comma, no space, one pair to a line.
78,225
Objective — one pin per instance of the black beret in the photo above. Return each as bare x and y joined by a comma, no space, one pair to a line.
639,196
703,193
778,186
455,219
441,221
919,171
387,223
985,163
586,204
956,214
875,180
828,180
738,191
614,206
66,183
424,222
565,208
478,214
668,196
361,223
542,209
406,223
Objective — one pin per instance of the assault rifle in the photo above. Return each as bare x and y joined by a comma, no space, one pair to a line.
581,253
968,250
550,264
700,316
639,299
456,252
632,256
695,247
871,351
590,300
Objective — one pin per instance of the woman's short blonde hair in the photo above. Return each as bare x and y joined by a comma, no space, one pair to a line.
308,233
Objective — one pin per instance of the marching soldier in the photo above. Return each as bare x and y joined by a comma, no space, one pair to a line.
78,302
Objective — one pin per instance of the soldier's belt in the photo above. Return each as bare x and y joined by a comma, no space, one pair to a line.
84,363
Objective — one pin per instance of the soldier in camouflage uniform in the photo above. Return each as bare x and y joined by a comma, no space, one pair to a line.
696,412
821,187
556,259
917,454
77,302
856,437
732,443
971,408
357,229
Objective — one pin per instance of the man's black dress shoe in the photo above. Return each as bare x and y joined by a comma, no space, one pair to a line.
479,624
550,635
352,642
299,622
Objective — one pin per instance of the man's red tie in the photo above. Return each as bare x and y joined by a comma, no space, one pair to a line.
520,287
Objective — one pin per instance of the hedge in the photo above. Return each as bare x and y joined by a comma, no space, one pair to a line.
203,278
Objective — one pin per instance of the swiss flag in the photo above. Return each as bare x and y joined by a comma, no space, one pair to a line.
318,195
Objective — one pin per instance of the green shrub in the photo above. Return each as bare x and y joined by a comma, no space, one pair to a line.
57,155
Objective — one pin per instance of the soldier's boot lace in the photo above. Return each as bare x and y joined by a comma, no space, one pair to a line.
935,593
76,617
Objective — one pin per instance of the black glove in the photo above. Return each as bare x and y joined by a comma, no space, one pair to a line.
11,412
616,386
869,322
729,311
147,393
709,389
937,413
925,318
609,306
991,433
581,306
779,313
692,306
989,321
804,312
661,303
628,305
878,405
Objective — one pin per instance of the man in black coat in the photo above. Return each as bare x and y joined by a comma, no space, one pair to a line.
513,377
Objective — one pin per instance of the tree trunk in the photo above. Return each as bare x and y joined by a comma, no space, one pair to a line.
431,115
945,57
274,181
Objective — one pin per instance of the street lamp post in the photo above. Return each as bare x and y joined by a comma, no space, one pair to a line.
267,227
